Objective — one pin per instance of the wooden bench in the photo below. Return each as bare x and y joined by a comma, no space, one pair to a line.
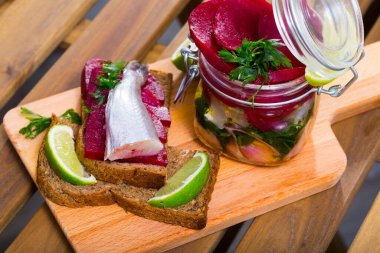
31,30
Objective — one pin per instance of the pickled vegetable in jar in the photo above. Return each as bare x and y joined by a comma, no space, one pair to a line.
253,102
263,134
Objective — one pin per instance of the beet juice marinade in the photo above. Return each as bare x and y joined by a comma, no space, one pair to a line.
262,68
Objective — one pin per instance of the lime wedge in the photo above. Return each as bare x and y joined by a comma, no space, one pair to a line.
316,80
177,57
185,184
61,155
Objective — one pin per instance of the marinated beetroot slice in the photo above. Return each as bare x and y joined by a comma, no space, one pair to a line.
86,78
282,75
234,23
154,86
161,159
201,21
285,75
95,134
160,129
90,101
149,99
268,30
162,113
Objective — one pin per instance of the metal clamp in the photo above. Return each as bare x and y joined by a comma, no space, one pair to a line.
192,71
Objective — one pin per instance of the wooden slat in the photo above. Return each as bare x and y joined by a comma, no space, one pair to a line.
128,36
364,5
4,4
75,33
174,44
310,224
204,245
42,234
153,54
368,237
374,34
29,32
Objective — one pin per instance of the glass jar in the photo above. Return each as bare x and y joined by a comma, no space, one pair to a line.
267,131
270,124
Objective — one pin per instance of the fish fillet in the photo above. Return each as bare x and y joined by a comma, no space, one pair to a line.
130,131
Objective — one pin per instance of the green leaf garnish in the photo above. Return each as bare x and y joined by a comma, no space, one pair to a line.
108,78
255,59
38,123
72,116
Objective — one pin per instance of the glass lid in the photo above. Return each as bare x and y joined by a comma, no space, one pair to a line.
326,35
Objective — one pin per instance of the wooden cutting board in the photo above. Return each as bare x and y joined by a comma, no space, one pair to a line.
242,191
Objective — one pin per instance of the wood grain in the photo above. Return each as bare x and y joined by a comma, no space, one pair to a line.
102,39
368,237
206,244
310,224
21,50
41,234
4,4
374,34
75,33
364,5
296,180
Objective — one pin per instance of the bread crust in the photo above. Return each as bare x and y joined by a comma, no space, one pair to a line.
133,199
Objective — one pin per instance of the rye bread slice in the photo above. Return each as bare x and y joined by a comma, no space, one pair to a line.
131,198
137,174
64,193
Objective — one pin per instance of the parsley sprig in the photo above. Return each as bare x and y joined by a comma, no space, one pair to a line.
108,79
38,123
255,59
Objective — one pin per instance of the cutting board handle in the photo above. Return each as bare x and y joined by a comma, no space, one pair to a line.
362,96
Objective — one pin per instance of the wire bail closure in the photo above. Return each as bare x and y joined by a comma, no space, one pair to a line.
192,71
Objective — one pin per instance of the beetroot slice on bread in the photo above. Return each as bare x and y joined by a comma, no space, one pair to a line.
161,159
234,22
153,98
87,78
95,134
201,21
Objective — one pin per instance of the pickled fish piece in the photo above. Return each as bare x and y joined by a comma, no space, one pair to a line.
130,131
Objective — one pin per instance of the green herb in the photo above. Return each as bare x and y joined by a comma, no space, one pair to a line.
108,78
72,116
201,108
255,59
86,109
252,98
38,123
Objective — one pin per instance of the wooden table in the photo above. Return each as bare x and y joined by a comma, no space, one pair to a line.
31,29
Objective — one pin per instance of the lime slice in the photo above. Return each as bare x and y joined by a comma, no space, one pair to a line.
61,155
185,184
177,57
316,80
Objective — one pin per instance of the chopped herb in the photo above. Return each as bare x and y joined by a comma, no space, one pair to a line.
86,109
39,123
108,78
255,59
252,98
72,116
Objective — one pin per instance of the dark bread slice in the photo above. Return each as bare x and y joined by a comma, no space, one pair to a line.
191,215
137,174
64,193
132,199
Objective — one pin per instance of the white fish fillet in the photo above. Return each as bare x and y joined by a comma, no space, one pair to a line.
130,130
